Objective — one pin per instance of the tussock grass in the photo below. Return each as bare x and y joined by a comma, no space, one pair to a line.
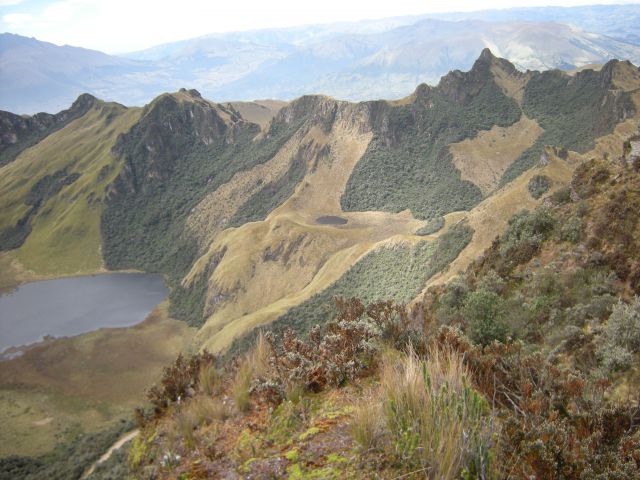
209,379
186,422
434,421
367,425
241,388
253,365
208,410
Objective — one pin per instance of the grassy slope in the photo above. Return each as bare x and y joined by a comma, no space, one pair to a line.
65,237
490,217
183,149
557,300
288,251
393,270
483,159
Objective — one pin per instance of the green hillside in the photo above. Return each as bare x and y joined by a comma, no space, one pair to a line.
573,111
51,195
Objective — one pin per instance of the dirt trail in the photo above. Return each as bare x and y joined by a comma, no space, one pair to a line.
119,443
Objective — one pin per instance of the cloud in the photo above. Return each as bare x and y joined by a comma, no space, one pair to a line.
15,21
118,26
6,3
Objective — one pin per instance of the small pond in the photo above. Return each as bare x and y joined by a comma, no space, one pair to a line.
71,306
331,220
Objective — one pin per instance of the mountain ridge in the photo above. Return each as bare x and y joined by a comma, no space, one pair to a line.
379,59
191,185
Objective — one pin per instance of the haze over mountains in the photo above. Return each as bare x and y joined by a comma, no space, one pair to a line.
355,61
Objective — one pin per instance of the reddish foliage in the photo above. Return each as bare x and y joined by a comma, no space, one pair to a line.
178,380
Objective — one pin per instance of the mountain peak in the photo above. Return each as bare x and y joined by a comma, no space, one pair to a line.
486,55
620,75
192,92
84,100
488,60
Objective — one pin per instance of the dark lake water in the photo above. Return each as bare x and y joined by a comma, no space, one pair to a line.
71,306
331,220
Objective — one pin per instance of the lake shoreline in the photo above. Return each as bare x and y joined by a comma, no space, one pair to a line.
73,305
89,380
22,276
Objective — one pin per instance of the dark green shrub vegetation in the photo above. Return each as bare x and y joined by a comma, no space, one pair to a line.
571,230
187,303
275,193
524,236
561,195
539,185
573,110
432,226
491,282
621,339
408,164
15,236
484,313
115,467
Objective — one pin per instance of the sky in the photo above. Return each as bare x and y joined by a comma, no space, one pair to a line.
119,26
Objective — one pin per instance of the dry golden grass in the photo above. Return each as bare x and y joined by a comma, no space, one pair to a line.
207,409
254,365
259,111
240,390
425,413
484,159
209,380
511,85
367,424
186,422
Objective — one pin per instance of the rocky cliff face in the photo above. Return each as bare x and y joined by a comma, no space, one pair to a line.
170,127
18,133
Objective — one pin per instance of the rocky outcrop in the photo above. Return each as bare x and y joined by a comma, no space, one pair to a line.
170,128
19,132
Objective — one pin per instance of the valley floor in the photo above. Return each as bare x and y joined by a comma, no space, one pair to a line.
61,387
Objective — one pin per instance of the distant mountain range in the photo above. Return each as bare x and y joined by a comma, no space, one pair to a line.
355,61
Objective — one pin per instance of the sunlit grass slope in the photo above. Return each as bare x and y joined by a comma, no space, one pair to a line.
65,229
